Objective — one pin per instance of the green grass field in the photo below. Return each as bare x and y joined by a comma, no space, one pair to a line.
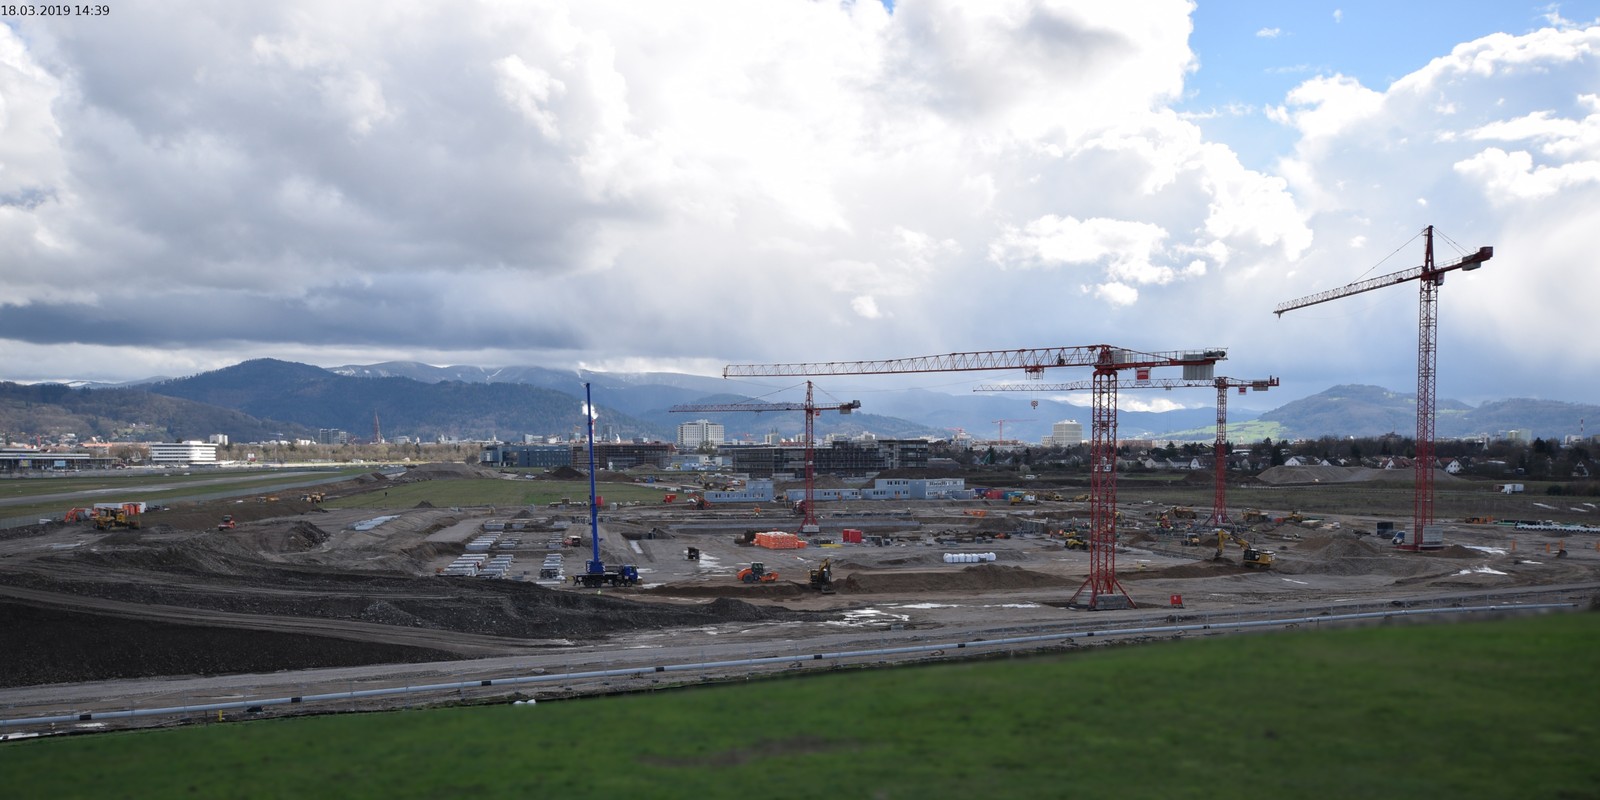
1491,709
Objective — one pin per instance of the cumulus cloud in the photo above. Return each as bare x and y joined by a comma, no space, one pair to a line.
484,182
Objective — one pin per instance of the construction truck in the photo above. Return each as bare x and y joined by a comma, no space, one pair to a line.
227,523
1182,512
1191,539
313,497
106,519
625,575
572,540
757,573
1253,558
1076,541
822,576
1253,516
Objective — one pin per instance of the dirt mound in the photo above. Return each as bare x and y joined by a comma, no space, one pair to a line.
565,473
1200,569
304,536
423,504
732,589
976,577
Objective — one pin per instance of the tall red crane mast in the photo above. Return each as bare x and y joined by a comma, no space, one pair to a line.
1101,590
1219,497
808,523
1430,277
1001,435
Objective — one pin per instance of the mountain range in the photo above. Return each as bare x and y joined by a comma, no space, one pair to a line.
270,399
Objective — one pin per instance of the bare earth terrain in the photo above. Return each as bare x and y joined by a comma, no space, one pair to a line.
298,599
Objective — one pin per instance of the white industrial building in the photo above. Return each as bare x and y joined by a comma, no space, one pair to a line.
191,452
1066,433
702,431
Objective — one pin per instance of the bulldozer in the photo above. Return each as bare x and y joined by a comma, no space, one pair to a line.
106,519
757,573
1252,558
822,576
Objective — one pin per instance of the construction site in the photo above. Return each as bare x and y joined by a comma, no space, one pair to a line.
242,598
208,604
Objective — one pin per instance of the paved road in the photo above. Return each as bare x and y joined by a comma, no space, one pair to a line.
911,624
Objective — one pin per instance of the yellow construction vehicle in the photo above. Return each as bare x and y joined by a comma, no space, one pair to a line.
1182,512
106,519
1254,515
822,576
1076,541
1253,558
757,573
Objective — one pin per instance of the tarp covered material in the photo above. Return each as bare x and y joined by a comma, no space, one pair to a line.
778,540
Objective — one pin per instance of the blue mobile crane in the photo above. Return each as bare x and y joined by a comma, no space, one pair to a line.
595,574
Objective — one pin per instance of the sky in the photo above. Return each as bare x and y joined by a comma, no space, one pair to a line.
626,186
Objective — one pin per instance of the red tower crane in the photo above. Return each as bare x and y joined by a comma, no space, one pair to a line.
808,522
1001,435
1219,497
1101,590
1430,277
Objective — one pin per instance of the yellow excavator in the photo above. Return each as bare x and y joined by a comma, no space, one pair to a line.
1253,558
822,576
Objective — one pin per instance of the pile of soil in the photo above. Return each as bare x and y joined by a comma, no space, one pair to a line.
978,577
565,473
48,645
733,589
305,536
1199,569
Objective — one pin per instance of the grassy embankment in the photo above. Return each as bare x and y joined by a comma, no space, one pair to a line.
1490,709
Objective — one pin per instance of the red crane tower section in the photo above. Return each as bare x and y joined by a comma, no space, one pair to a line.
808,523
1101,590
1001,435
1219,498
1430,277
